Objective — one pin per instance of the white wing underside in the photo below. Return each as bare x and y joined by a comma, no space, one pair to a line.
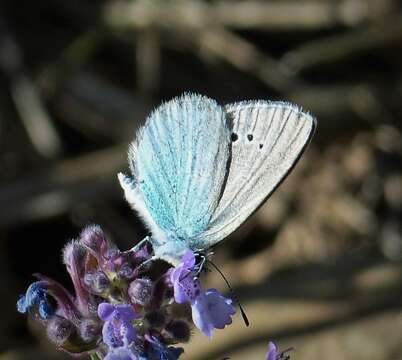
201,170
271,137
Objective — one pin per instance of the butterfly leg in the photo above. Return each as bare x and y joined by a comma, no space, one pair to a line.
283,355
199,267
137,246
145,263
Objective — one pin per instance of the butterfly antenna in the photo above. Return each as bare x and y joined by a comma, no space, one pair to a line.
284,354
236,299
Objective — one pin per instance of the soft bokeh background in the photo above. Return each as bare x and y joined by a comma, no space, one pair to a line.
319,266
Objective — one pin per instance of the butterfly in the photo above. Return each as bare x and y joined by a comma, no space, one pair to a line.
200,170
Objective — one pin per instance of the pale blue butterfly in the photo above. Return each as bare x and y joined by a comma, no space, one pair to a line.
200,169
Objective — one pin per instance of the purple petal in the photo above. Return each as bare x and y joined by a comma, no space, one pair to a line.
111,335
105,311
272,353
201,317
121,353
212,310
124,312
35,292
159,351
186,265
36,297
117,329
127,332
64,300
220,308
188,259
187,289
175,274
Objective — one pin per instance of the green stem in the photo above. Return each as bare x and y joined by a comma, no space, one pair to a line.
95,357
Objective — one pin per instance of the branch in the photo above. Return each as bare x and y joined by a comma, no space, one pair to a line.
27,99
58,188
276,15
339,47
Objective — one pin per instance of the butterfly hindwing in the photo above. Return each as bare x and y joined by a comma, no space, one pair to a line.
267,139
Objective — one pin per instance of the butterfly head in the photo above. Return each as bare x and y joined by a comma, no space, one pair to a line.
202,257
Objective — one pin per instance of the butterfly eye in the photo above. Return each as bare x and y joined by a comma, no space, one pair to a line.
234,137
250,137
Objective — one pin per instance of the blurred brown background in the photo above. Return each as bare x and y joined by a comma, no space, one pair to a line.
319,266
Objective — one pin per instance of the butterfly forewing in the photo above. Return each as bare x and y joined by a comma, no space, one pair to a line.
267,139
179,162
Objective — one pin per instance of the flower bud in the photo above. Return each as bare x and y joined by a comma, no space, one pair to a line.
178,330
125,271
74,255
141,255
101,282
89,279
90,330
59,329
140,291
94,239
97,282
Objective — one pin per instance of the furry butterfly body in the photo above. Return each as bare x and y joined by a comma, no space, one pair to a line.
199,170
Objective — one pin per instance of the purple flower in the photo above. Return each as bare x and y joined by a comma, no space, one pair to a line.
61,317
36,297
158,351
118,329
66,305
100,272
210,310
121,353
274,354
186,287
